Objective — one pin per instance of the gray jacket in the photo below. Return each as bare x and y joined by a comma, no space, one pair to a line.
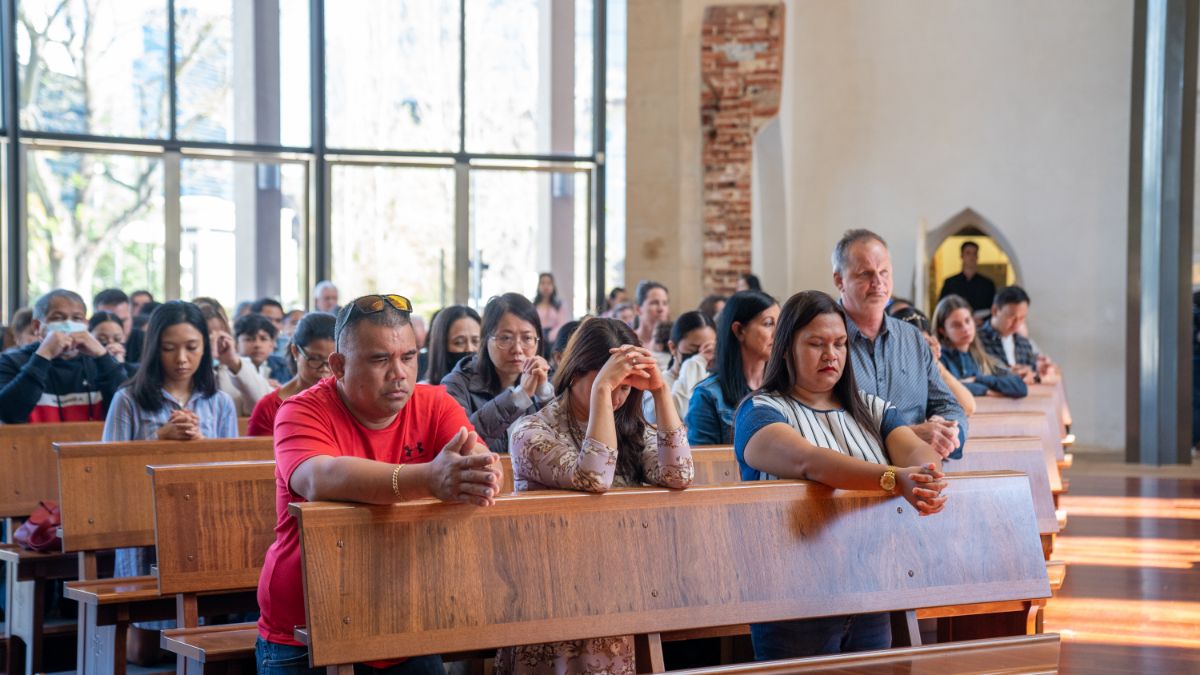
490,415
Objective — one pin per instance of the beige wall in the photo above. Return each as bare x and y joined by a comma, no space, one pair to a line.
896,114
664,197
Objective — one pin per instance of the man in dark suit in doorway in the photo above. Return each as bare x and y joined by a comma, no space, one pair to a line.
970,284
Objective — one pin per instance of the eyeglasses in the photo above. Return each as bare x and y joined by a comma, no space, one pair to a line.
314,362
506,341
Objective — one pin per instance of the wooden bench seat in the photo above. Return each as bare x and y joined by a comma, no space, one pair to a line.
642,561
107,502
1014,655
213,649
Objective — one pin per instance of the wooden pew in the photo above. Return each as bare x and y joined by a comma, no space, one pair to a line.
1021,424
30,475
643,561
1042,400
107,502
213,525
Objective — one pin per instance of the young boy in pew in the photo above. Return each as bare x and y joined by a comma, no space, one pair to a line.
172,396
810,420
66,375
369,434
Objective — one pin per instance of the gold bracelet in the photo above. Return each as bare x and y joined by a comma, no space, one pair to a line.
396,480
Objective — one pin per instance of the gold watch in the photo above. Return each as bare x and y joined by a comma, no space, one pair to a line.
887,482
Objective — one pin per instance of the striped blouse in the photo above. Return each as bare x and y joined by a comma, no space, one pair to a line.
833,429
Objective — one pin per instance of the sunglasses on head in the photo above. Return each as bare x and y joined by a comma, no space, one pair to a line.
370,304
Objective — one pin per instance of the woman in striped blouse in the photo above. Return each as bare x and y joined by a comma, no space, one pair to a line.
809,420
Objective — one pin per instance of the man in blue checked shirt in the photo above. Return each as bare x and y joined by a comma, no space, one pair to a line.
891,358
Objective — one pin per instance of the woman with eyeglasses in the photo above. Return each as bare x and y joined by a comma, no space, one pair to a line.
454,336
307,357
506,379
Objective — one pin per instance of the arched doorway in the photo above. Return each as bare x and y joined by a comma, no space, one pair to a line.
943,244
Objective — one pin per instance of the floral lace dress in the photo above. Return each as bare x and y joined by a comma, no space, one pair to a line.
546,455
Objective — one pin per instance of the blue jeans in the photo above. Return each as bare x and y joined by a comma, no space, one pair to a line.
812,637
276,659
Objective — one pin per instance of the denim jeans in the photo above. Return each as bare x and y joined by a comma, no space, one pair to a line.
276,659
812,637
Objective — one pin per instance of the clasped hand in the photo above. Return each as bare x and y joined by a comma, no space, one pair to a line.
922,487
631,365
465,472
183,425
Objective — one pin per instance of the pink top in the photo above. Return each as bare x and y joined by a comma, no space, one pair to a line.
553,318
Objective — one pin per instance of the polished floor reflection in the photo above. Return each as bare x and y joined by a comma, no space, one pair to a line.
1131,600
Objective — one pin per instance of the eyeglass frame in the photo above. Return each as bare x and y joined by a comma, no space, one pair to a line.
513,339
308,359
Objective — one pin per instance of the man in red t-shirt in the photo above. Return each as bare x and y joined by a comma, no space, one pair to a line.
369,434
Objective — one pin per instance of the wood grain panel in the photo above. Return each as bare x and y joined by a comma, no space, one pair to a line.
1043,401
30,471
107,501
425,577
1023,424
213,524
1014,454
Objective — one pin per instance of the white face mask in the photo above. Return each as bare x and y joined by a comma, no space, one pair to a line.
66,327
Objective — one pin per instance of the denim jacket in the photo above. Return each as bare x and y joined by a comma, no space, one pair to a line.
961,365
709,415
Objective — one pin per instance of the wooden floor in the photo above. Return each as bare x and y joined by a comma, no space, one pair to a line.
1131,601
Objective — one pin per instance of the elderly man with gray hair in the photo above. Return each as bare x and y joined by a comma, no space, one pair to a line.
325,297
891,358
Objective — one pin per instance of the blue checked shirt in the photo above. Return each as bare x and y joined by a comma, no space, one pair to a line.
898,367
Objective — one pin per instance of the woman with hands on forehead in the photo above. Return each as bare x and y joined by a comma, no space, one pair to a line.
809,420
592,437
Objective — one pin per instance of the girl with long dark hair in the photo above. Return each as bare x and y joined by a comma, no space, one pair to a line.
172,396
745,334
592,437
963,354
809,420
551,309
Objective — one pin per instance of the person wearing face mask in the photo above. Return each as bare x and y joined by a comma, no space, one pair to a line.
66,376
963,355
453,337
745,334
592,437
308,357
506,379
693,348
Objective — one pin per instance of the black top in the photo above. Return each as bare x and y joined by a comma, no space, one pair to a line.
978,290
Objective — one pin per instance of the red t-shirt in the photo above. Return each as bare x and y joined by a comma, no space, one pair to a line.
316,422
262,420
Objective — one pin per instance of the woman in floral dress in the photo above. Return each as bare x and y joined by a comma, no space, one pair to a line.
593,437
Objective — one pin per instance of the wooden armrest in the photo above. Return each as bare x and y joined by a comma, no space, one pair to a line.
1056,570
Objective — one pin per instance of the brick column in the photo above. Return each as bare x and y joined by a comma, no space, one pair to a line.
741,71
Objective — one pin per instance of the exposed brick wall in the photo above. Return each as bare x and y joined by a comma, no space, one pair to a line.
741,70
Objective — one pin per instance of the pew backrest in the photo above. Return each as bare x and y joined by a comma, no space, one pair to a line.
213,524
549,566
30,471
1040,401
1021,424
1014,454
106,496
